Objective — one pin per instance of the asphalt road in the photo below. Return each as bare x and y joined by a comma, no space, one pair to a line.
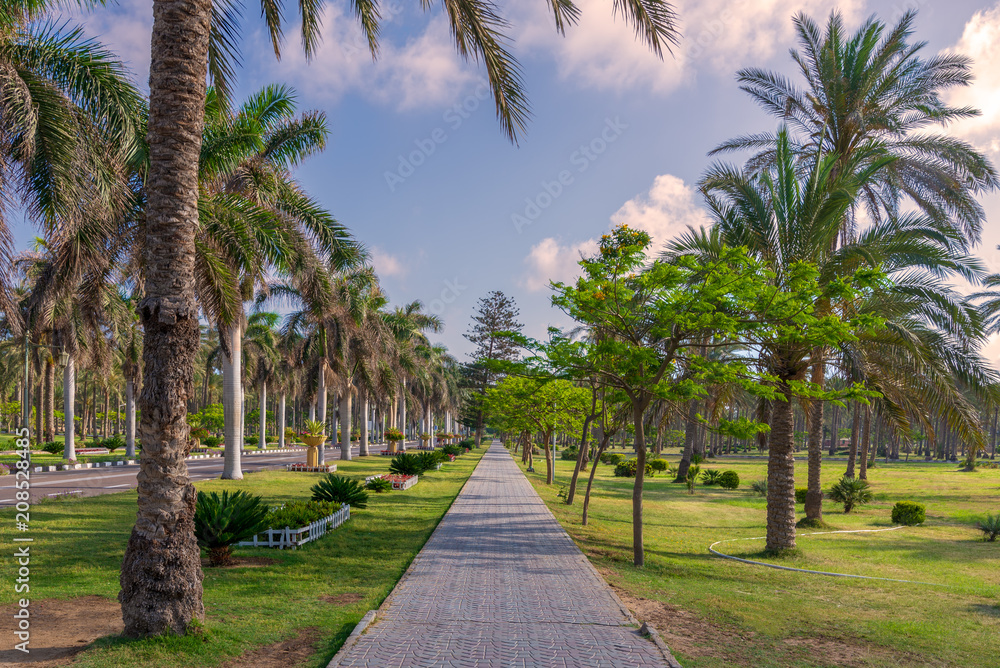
106,480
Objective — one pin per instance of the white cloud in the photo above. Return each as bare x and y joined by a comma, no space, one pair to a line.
425,71
602,52
979,41
549,260
666,209
387,264
125,30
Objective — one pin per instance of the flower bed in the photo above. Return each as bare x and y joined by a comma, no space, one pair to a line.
304,468
398,481
91,451
288,537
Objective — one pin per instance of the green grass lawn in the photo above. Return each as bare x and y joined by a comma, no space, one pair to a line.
716,612
79,545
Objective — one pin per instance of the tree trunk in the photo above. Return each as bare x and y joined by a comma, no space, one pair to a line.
865,434
69,399
781,474
232,404
129,419
39,403
549,465
764,417
363,427
590,480
262,441
638,556
345,425
852,454
281,421
581,456
814,492
50,400
690,433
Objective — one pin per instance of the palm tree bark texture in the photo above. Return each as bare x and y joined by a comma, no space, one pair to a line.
161,578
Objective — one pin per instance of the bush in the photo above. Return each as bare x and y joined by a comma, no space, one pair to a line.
221,522
338,489
393,435
800,494
379,485
710,476
54,447
658,465
406,464
467,443
990,526
428,460
696,459
197,433
692,477
729,480
112,443
908,513
759,487
627,468
611,458
569,454
851,492
452,449
301,513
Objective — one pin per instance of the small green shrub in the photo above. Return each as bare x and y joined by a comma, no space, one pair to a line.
908,513
221,522
379,485
406,464
611,458
729,480
851,492
627,468
692,477
697,459
467,443
451,449
800,494
759,487
112,443
338,489
54,447
301,513
710,476
212,441
428,460
658,465
990,526
569,454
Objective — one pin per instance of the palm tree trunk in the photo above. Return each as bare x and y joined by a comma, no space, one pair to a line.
363,445
50,401
781,474
69,399
262,443
129,419
39,404
232,405
281,421
161,588
345,425
852,454
865,435
814,491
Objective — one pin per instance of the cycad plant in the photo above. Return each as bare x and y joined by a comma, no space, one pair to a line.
990,526
851,492
221,522
406,464
339,489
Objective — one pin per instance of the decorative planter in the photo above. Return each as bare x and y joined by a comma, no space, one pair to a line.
288,537
306,467
398,481
393,446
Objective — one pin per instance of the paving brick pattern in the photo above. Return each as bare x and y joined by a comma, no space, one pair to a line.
501,585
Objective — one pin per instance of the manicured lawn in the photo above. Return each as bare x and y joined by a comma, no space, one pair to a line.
79,545
715,612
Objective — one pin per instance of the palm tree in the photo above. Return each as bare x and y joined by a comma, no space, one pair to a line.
261,351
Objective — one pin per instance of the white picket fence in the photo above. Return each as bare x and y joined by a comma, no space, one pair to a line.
288,537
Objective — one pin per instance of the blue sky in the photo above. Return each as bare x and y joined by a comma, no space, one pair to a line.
417,166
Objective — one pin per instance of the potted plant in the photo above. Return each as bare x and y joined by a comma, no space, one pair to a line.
424,437
393,436
197,434
314,437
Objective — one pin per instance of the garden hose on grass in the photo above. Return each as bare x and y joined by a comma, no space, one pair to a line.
711,548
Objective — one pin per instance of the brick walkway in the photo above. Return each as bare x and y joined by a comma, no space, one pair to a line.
500,584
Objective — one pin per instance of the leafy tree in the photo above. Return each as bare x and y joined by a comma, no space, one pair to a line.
495,317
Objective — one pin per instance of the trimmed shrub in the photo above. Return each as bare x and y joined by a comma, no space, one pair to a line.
710,476
212,441
338,489
452,449
569,454
759,487
428,460
467,443
990,526
800,494
301,513
627,468
729,480
658,465
406,464
112,443
54,447
851,492
611,458
221,522
379,485
908,513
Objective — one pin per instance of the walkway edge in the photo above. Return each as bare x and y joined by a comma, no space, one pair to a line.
352,639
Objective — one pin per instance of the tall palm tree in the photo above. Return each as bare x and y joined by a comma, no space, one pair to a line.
260,348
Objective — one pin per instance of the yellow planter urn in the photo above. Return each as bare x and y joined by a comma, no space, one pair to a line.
312,453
